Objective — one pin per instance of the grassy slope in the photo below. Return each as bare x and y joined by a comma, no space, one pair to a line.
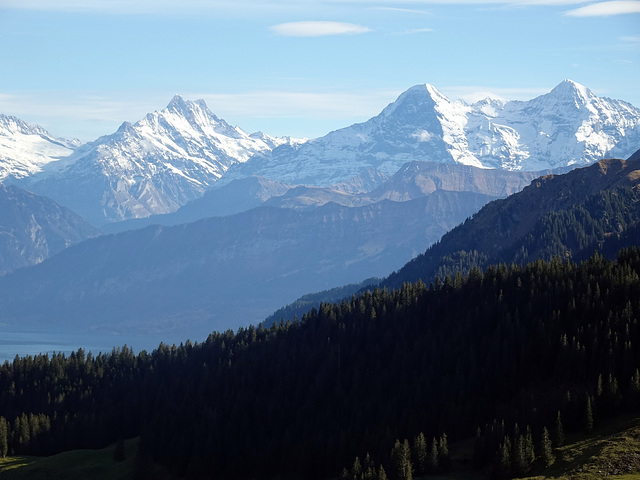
76,464
611,451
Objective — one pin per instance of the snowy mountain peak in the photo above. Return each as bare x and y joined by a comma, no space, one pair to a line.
156,165
570,93
176,103
568,126
125,127
490,106
417,97
10,124
26,150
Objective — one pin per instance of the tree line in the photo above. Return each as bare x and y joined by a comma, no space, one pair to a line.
526,345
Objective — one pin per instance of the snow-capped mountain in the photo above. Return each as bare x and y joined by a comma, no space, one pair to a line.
569,126
155,166
28,149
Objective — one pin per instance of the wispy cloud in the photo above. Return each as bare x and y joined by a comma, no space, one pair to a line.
247,7
631,39
403,10
414,31
606,9
318,29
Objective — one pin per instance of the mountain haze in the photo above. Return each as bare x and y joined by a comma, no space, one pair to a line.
223,272
33,228
570,215
413,180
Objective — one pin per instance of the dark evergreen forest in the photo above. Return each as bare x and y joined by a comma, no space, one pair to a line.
605,221
373,387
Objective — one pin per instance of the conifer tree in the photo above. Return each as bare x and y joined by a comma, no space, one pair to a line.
518,462
546,450
420,454
432,457
443,451
4,437
529,451
588,415
356,470
382,475
369,470
401,459
559,431
503,460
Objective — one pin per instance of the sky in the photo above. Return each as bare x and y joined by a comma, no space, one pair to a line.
301,68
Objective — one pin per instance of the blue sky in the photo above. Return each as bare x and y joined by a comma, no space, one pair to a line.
302,68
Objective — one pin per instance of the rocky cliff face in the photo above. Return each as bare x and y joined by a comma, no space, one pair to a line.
33,228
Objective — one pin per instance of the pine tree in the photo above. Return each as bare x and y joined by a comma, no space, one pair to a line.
502,468
432,457
382,475
529,451
4,437
369,468
588,414
356,470
559,431
518,462
546,450
443,451
401,459
420,454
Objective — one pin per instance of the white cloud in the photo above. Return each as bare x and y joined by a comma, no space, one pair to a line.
606,9
318,29
245,7
422,136
403,10
414,31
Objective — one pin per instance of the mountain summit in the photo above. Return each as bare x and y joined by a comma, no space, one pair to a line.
26,150
569,126
154,166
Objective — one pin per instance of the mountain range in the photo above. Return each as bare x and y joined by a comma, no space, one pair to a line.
155,166
202,212
223,272
175,155
413,180
567,127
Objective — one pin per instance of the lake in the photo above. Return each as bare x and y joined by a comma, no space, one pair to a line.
32,343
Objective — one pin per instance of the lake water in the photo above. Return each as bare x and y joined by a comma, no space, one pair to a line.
32,343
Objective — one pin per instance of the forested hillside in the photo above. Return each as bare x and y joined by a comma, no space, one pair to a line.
570,215
516,344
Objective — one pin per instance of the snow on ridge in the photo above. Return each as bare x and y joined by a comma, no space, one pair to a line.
26,150
567,126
